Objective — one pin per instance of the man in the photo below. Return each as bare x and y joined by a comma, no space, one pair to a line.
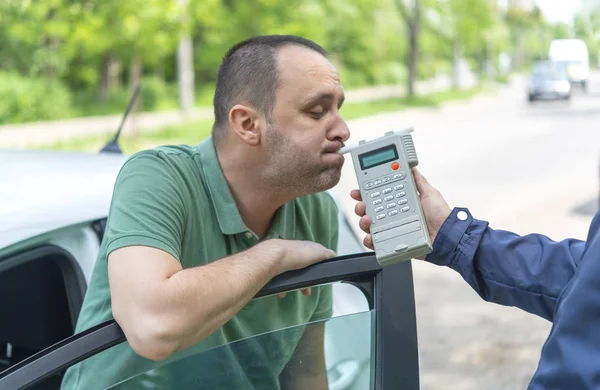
559,281
195,232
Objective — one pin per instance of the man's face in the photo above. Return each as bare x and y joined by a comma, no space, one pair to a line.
306,129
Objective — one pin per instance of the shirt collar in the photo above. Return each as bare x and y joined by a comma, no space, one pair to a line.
283,224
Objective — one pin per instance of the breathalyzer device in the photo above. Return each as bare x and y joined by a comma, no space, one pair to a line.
383,170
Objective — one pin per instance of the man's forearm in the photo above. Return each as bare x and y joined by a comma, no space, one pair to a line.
197,301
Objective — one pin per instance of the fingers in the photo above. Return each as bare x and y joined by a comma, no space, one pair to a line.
360,209
365,224
355,194
368,242
317,253
423,185
305,291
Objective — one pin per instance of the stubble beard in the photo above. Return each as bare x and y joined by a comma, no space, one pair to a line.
293,170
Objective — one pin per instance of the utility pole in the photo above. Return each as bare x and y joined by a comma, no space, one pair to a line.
185,66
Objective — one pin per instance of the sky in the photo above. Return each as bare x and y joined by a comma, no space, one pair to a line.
559,10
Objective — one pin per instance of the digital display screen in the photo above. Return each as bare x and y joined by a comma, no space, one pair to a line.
378,156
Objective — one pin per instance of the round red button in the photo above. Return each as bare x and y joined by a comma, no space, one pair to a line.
395,166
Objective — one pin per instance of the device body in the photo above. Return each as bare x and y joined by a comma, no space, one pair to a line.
383,170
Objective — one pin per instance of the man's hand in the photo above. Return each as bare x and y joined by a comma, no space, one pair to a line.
300,254
295,254
435,208
305,291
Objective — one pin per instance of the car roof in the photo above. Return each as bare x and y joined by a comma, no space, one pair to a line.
43,191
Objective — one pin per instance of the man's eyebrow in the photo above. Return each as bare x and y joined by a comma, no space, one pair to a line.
323,96
342,100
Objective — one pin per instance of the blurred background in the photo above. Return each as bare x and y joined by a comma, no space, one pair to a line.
504,97
70,59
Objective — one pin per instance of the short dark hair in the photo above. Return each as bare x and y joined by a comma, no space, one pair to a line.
248,73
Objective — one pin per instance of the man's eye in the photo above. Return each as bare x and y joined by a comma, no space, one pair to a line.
317,113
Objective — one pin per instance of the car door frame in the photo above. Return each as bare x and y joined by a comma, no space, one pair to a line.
389,291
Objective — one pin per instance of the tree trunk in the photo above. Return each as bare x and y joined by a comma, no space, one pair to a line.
135,72
491,61
413,22
110,73
52,44
114,74
456,56
104,71
412,58
135,78
185,68
185,75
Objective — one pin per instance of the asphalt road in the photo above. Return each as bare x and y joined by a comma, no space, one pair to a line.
525,168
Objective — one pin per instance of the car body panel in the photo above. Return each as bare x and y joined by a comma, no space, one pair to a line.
55,191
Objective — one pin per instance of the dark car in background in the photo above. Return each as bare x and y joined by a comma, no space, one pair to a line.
549,80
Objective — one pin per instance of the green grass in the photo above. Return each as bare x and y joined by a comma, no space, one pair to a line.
186,133
356,110
195,131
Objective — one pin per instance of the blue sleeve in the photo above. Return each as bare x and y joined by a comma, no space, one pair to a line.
528,272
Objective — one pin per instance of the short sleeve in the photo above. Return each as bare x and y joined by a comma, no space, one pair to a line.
147,208
324,309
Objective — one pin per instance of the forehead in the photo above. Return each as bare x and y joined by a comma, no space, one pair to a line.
302,70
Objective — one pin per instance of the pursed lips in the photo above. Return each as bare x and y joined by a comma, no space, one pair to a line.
333,147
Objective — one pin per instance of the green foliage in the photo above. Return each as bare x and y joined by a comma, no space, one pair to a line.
25,99
69,42
153,91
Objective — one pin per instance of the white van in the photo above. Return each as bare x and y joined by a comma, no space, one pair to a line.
574,53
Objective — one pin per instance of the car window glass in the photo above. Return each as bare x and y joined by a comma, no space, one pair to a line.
266,338
258,365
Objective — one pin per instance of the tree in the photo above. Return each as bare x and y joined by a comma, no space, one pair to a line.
466,26
411,13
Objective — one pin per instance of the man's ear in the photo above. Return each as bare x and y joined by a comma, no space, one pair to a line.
246,124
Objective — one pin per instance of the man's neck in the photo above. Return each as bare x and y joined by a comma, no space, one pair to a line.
256,203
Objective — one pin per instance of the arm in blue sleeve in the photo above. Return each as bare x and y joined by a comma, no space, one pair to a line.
528,272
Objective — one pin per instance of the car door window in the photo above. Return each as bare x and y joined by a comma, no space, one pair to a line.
369,340
281,358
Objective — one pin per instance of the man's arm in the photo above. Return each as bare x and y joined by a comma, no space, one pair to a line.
528,272
306,369
163,308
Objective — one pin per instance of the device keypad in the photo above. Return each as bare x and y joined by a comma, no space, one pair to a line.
395,202
392,177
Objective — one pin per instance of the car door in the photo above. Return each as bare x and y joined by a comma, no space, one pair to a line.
385,331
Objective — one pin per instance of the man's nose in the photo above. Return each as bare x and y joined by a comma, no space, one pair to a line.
340,130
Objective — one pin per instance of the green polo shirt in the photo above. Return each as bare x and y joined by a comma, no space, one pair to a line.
177,199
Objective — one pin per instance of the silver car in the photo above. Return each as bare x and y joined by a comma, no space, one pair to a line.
549,80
